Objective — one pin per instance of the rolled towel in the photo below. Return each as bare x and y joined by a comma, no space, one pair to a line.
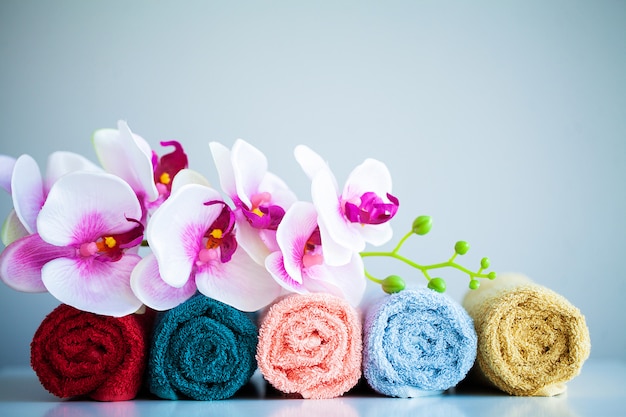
310,344
531,340
203,350
75,353
416,343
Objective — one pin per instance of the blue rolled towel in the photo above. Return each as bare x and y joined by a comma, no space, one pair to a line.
416,343
203,350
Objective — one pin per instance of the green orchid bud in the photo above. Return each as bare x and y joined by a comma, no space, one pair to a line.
461,247
422,225
393,284
484,263
437,284
491,275
474,284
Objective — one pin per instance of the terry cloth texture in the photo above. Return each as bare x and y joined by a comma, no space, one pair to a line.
203,350
416,343
76,353
310,344
531,340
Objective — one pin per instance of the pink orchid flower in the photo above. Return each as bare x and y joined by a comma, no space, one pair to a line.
129,156
357,215
300,266
28,188
85,246
195,247
260,197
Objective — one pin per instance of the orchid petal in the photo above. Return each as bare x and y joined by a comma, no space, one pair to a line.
334,253
377,234
12,229
61,163
330,215
292,235
310,162
241,283
250,239
128,156
176,230
82,206
92,285
21,262
6,171
249,166
348,280
370,176
188,176
149,287
27,191
222,160
281,194
274,263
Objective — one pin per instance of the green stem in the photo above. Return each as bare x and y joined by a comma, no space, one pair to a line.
423,268
372,277
401,242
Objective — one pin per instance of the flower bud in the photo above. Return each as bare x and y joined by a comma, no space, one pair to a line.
437,284
393,284
492,275
461,247
474,284
484,263
422,225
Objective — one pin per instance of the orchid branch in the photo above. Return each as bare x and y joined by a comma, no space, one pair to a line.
422,226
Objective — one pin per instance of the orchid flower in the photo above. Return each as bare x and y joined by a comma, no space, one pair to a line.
300,266
194,246
85,246
29,189
129,156
357,215
260,197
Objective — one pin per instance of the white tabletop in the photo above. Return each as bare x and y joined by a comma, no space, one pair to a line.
600,390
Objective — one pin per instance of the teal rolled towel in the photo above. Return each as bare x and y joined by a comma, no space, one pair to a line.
203,350
417,343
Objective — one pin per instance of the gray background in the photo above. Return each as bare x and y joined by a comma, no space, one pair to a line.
505,121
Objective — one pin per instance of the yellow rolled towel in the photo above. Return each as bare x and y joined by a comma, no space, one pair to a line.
531,340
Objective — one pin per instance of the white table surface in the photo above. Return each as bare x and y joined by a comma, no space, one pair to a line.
599,391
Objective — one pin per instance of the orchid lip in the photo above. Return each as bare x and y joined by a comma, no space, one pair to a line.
312,254
370,209
111,246
166,167
219,240
261,215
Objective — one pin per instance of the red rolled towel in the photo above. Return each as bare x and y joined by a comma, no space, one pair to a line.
76,353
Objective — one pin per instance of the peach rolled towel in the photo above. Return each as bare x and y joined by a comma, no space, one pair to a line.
531,340
310,344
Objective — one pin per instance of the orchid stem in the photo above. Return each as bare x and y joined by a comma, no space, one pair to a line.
460,249
373,278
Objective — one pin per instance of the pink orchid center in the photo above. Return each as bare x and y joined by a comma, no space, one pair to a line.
370,209
312,253
111,247
218,243
262,214
259,199
166,167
